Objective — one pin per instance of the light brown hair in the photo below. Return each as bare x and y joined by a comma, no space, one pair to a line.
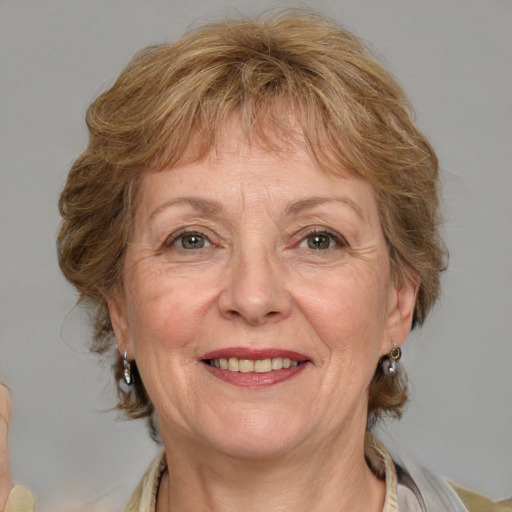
295,65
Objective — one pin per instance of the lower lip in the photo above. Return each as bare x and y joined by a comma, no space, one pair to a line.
253,379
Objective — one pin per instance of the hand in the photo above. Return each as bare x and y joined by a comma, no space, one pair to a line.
5,418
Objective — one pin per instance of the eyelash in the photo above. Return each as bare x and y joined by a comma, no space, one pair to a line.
338,240
181,235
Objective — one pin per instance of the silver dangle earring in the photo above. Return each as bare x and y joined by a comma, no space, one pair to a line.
390,362
127,370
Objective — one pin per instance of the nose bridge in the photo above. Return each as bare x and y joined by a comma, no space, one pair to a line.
255,287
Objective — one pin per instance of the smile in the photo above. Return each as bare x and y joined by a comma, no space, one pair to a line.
234,364
250,367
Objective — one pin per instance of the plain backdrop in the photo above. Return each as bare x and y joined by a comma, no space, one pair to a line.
454,59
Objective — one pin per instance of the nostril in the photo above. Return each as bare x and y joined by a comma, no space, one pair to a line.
254,293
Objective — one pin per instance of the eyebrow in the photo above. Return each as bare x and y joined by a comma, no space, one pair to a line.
309,203
293,208
197,203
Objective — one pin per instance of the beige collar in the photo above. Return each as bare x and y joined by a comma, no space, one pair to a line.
144,497
382,465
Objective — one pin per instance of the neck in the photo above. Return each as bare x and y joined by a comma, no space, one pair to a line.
332,477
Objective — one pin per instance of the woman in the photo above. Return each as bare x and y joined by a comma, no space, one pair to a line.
255,223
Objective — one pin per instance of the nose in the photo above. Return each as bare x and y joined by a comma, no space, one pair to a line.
255,289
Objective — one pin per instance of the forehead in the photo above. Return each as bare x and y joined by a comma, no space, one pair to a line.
243,169
234,143
256,184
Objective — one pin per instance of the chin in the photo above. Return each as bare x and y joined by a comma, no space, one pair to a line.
258,436
257,447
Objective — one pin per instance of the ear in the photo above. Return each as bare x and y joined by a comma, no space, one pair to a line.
401,305
119,319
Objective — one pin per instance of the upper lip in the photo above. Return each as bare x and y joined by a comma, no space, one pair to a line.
254,353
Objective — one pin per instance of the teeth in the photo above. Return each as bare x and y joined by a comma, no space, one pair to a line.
263,365
245,365
277,363
233,364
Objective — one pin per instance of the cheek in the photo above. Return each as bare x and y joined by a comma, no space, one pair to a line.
166,312
345,305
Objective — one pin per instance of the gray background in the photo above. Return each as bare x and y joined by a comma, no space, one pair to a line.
454,60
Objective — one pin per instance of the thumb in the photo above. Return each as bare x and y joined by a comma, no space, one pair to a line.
5,418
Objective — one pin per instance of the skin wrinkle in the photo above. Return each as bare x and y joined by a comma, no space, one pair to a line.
179,304
169,107
297,86
299,206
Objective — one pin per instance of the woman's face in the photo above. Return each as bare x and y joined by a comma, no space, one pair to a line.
257,300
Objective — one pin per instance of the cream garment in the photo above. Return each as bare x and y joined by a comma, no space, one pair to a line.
400,496
411,490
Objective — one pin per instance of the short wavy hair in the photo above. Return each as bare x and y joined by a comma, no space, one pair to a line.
276,72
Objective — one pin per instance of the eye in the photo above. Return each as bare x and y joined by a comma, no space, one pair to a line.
192,241
189,241
321,240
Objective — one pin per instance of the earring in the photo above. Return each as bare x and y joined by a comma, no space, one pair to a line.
390,362
127,370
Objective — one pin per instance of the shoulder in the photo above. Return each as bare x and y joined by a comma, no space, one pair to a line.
476,502
143,498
